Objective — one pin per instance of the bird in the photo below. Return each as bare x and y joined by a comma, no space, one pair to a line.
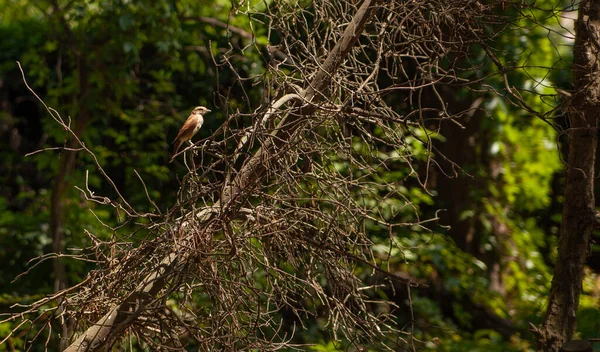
190,128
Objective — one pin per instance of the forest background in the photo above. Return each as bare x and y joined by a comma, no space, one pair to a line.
419,208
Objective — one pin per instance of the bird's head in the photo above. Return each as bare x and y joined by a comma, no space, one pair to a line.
201,110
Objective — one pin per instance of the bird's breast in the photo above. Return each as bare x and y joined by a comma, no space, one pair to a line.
199,121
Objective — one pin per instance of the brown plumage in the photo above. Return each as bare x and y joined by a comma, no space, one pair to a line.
190,128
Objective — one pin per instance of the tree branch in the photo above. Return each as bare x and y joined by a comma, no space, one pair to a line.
215,22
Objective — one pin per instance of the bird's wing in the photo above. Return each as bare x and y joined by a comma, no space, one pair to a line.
186,129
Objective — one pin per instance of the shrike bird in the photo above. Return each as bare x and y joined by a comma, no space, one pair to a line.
190,128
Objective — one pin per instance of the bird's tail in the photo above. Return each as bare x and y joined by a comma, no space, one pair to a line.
175,150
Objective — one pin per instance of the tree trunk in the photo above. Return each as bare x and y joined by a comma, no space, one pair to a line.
67,164
61,183
579,215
